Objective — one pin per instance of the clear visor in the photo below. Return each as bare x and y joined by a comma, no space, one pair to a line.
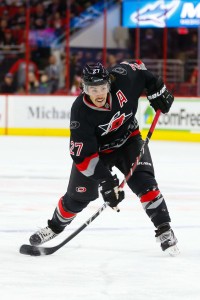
94,90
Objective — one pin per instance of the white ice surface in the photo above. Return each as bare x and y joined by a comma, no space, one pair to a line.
116,257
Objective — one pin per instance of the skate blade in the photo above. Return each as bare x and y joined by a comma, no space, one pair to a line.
173,251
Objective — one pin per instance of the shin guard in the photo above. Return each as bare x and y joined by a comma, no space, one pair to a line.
154,204
61,218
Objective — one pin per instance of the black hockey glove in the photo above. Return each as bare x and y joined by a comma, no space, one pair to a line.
111,192
159,97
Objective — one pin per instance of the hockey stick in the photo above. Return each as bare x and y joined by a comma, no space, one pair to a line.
37,251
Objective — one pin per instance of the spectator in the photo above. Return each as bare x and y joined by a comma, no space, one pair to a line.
52,71
3,25
44,85
192,46
150,46
7,86
75,89
8,39
39,18
19,70
57,6
5,15
111,61
75,68
19,20
33,83
194,76
58,24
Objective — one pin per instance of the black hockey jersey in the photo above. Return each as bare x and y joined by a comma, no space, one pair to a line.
102,130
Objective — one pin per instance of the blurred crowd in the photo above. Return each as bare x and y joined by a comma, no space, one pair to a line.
46,70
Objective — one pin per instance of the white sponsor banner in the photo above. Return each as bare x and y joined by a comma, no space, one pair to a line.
2,111
39,111
183,115
54,112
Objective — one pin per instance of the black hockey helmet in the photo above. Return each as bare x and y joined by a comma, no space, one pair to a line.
95,74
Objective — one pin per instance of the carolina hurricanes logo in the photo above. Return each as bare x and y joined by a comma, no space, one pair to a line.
116,121
156,13
81,189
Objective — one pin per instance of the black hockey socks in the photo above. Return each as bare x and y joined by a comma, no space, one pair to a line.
154,205
61,218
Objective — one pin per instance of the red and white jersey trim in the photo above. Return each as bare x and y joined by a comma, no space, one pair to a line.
87,167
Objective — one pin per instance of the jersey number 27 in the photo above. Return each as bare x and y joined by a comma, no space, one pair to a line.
75,147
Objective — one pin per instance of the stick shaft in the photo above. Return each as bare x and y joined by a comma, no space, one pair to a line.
138,158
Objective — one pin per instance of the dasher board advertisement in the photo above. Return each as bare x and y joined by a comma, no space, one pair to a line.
39,111
2,114
181,123
160,13
183,116
39,115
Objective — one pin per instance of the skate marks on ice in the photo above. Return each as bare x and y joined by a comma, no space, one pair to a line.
116,257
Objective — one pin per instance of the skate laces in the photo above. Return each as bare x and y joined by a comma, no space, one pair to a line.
166,236
46,233
168,241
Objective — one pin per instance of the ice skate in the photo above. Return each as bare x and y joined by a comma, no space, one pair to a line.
166,237
42,236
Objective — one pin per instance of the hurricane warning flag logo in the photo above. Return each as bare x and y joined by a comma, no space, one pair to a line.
155,14
116,121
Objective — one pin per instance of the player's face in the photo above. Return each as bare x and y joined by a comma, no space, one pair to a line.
98,94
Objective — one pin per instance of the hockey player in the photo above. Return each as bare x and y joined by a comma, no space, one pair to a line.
105,133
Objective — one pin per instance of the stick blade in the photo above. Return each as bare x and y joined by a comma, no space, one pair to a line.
34,250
